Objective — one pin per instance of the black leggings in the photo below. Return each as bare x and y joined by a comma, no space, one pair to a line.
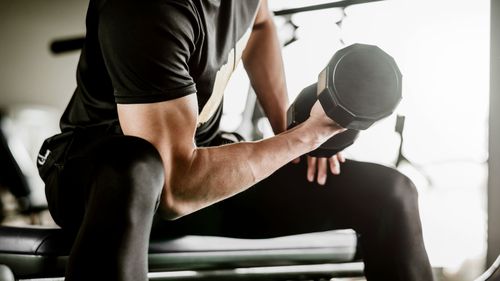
107,194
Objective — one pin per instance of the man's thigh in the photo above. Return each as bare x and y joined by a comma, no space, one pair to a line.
70,182
286,203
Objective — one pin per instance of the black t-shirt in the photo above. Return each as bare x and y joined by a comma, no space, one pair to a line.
146,51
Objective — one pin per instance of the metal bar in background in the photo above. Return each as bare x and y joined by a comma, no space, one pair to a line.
338,4
59,46
494,138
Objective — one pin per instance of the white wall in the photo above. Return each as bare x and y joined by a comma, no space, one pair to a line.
29,73
35,85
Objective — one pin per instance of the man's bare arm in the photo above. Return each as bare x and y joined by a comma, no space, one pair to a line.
264,65
198,177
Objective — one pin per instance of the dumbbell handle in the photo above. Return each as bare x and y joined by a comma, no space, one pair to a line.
300,110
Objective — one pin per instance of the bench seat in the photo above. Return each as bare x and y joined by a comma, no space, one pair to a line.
35,253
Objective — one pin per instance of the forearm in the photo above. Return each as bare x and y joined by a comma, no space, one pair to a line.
215,173
198,177
264,65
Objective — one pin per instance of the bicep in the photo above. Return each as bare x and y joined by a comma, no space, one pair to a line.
170,126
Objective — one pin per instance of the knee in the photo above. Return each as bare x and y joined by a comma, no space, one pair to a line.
131,168
401,193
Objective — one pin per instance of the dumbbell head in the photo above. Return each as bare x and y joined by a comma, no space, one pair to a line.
360,85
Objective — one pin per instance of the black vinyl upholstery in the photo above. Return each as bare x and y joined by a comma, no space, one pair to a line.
34,252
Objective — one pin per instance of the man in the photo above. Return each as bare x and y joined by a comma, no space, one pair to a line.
140,137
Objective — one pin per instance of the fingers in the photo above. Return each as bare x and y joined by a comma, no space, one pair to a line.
335,161
311,168
334,165
341,157
322,170
319,166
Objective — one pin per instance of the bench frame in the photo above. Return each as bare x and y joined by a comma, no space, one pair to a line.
41,254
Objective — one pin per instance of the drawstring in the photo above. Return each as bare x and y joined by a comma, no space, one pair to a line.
235,29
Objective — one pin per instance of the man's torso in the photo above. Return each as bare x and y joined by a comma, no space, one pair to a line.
212,32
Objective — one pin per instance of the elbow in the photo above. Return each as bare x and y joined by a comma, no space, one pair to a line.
169,214
172,208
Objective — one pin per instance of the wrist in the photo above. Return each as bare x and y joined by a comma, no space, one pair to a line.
320,130
310,134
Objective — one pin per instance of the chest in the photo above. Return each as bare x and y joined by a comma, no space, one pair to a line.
226,27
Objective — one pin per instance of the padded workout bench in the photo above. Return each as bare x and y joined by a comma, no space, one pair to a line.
41,253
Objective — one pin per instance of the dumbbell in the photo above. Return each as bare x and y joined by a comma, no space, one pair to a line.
359,86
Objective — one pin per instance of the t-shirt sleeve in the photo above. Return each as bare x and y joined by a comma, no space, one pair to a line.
146,48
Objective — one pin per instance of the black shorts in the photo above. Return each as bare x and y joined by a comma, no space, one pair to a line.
65,164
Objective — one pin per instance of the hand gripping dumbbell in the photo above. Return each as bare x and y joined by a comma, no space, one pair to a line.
360,85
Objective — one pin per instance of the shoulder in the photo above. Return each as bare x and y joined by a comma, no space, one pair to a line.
160,16
247,10
146,46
